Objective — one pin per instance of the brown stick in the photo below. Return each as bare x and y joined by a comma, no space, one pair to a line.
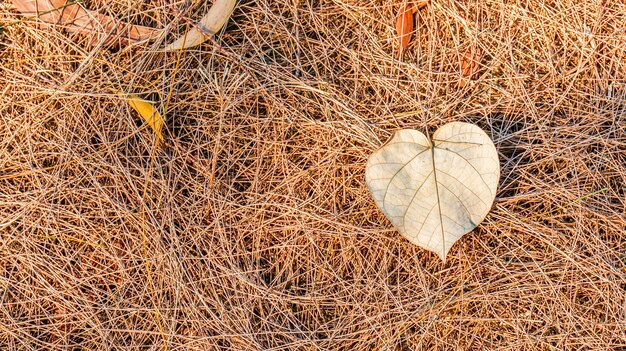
75,18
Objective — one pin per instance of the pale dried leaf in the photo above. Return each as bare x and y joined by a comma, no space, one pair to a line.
77,19
435,192
209,25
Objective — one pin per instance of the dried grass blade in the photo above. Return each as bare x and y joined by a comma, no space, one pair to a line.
209,25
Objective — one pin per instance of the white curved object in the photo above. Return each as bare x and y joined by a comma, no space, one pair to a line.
209,25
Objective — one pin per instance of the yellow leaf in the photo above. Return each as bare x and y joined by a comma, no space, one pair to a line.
146,109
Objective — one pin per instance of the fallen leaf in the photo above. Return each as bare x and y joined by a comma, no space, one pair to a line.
470,65
435,192
420,5
404,27
146,110
209,25
405,23
75,18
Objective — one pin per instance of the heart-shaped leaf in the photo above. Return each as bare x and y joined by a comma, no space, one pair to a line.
435,192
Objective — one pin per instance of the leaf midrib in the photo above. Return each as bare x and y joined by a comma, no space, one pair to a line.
443,238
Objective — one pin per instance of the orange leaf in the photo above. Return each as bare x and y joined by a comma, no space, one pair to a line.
470,65
211,23
75,18
404,27
420,5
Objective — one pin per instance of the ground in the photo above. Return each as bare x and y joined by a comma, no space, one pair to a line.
251,227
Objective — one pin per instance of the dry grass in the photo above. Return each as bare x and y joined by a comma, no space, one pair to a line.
253,228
